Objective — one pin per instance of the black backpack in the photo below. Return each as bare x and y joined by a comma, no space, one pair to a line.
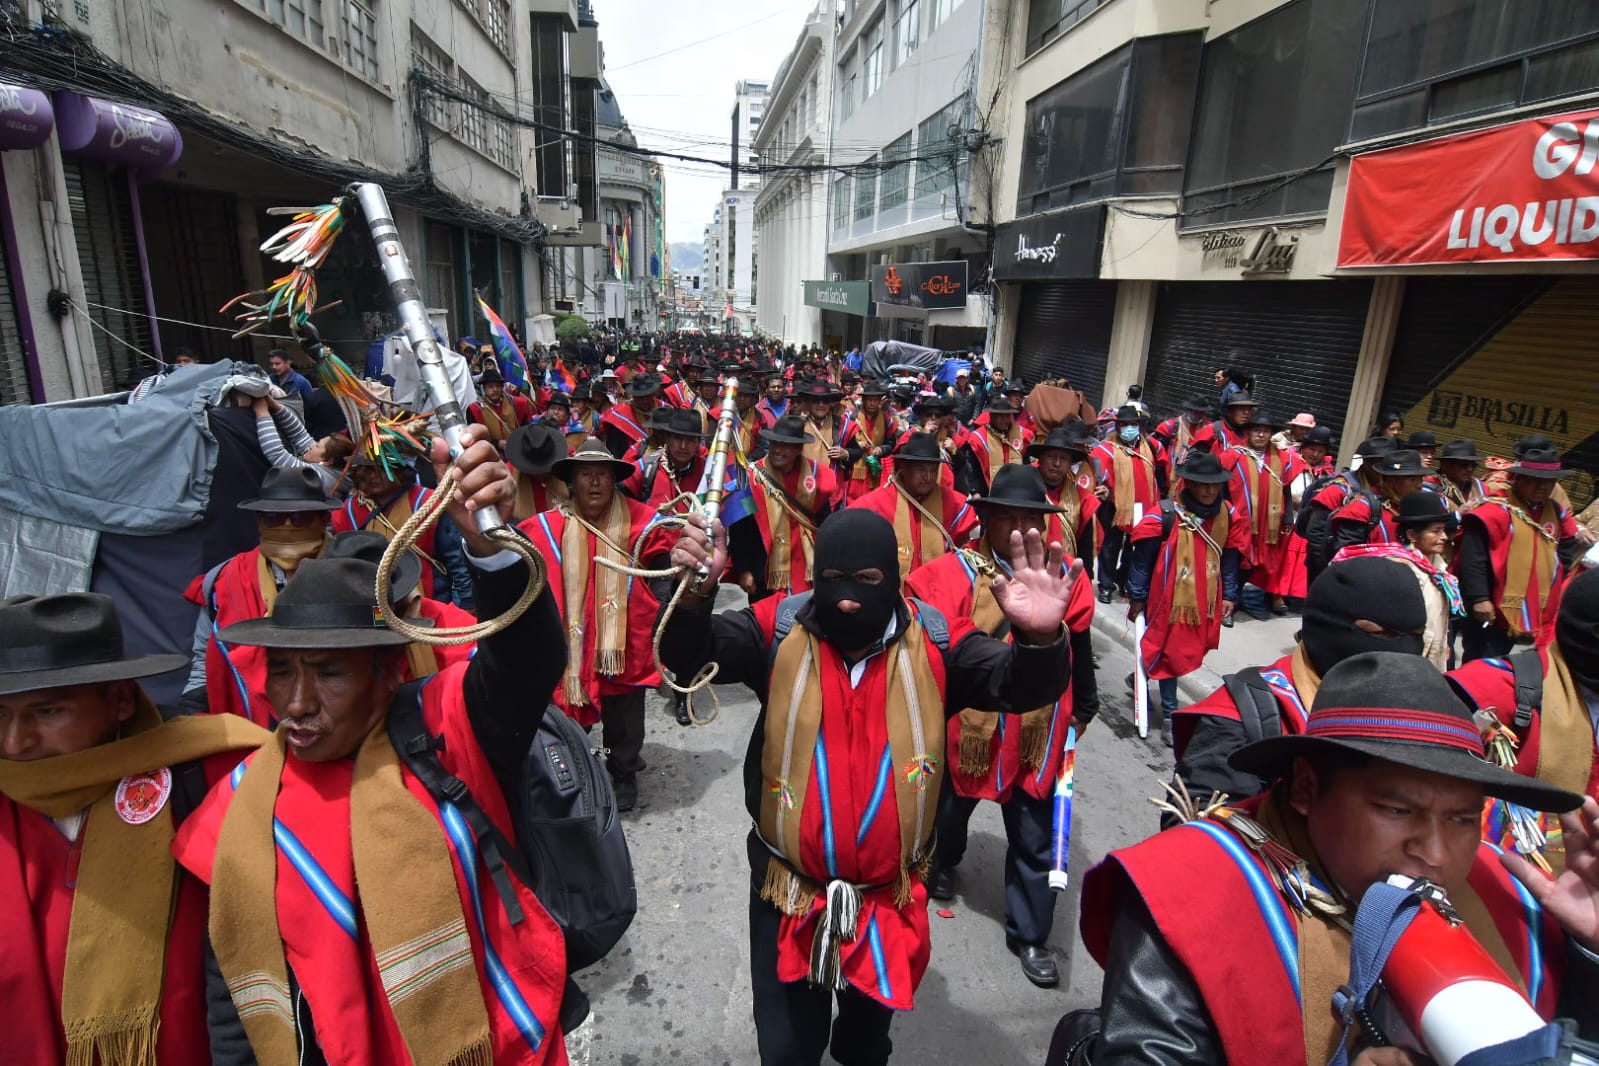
1302,520
570,850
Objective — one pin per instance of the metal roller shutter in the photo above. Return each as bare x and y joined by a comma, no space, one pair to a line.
1063,330
102,224
1528,369
1300,340
195,268
13,363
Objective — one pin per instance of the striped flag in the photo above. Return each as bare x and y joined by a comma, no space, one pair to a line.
512,364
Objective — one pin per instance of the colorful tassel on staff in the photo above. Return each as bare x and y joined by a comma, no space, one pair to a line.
388,437
304,244
1061,831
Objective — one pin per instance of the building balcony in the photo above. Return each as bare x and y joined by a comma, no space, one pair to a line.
566,10
585,52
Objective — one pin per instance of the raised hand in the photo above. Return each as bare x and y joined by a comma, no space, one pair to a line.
1572,899
1035,594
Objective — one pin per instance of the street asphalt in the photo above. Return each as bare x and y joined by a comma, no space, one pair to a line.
676,989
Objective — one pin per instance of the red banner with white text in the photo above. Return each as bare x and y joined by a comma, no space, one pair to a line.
1526,192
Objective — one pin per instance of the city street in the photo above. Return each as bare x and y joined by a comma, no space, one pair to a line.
677,988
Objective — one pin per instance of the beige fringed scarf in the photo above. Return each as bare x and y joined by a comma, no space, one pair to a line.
1124,479
127,879
781,506
978,727
1531,555
417,932
915,711
929,519
609,602
1185,608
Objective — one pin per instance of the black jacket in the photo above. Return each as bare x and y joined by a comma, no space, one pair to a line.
506,693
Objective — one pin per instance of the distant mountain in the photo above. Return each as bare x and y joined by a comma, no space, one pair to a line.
687,256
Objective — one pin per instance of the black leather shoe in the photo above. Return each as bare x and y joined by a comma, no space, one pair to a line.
680,708
1106,595
941,886
1038,965
626,789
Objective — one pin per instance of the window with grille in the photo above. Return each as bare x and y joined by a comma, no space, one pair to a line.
907,27
894,184
361,39
474,129
497,21
427,56
302,18
851,78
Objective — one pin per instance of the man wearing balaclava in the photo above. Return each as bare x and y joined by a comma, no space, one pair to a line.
1549,727
845,764
291,513
1356,605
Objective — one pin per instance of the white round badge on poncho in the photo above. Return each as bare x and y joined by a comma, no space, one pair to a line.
140,797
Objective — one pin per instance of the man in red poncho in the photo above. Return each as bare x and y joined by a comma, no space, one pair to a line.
1131,469
665,475
1063,463
845,765
292,516
609,616
497,412
1012,760
1263,476
1185,575
772,550
929,518
385,503
868,435
626,424
104,934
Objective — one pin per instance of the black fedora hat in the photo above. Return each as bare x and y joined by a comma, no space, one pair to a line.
935,402
1017,485
369,544
1422,438
1196,402
288,489
1400,463
790,429
1262,417
1460,451
71,639
593,450
683,422
748,386
920,447
1073,436
534,449
1422,507
1240,399
1322,435
1015,387
644,385
1376,447
558,399
1128,413
1001,405
1203,468
875,387
328,603
1540,463
818,389
1398,708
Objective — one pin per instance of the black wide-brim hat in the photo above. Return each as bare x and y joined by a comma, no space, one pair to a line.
1019,486
1322,435
535,448
1543,463
1398,708
643,385
1001,405
789,429
1240,399
1401,463
920,447
328,603
1203,468
1070,437
71,639
1460,451
370,545
1262,417
1422,507
875,387
818,390
288,490
592,450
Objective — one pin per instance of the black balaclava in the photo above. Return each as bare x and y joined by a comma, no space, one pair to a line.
1577,628
850,541
1207,511
1375,589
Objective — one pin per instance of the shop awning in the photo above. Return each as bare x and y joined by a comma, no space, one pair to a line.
116,133
26,117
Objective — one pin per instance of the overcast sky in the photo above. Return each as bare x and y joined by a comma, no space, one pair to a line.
682,100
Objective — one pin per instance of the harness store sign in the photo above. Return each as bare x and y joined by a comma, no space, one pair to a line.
1526,192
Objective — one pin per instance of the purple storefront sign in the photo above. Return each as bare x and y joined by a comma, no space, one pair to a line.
116,133
26,117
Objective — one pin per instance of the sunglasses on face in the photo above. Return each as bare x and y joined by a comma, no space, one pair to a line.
301,519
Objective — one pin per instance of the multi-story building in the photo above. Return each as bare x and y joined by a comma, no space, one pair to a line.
617,279
158,134
1373,207
791,207
749,106
913,85
733,260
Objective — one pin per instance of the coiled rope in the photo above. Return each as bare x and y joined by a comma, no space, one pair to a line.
405,539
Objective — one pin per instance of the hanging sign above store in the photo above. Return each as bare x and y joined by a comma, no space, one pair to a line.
116,133
929,286
1526,192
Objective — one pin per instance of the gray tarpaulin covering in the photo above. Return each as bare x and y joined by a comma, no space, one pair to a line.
139,469
39,557
878,356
